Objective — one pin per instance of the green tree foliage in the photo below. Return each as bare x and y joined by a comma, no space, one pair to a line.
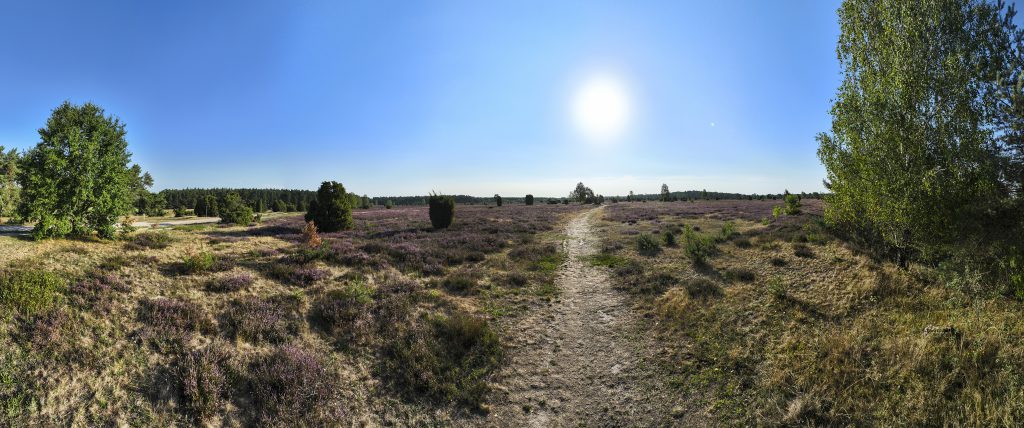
331,211
528,200
792,201
665,194
913,159
497,199
9,191
77,180
582,194
280,206
235,211
442,210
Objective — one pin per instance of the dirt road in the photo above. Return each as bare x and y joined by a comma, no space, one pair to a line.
583,360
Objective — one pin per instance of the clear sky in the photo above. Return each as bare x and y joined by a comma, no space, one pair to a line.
467,97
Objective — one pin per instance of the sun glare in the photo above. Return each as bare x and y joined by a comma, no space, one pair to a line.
601,108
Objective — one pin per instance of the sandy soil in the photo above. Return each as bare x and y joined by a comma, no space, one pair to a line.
584,359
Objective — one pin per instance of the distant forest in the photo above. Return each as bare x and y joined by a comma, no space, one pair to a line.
298,200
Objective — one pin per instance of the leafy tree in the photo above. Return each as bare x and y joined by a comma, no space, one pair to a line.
665,194
76,180
528,200
389,204
9,191
912,159
582,194
442,210
235,211
331,211
280,206
497,199
630,198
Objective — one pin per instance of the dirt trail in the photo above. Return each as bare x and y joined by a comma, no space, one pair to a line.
583,360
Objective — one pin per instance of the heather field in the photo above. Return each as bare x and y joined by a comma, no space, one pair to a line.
390,322
763,322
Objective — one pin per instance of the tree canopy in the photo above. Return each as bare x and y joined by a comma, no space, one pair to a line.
77,179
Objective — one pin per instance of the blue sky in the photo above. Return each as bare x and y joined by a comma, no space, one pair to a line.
468,97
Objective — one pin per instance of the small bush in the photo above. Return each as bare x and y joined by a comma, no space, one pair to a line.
802,250
497,200
728,231
777,288
449,359
291,386
30,291
528,200
646,245
778,262
230,283
198,262
273,319
702,288
442,211
235,211
742,242
516,279
172,320
459,282
202,383
344,314
792,204
150,240
670,239
388,204
740,274
698,247
310,236
332,209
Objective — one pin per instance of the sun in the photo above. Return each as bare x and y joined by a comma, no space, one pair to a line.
601,108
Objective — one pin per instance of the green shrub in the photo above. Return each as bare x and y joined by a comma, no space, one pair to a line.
792,202
670,239
528,199
646,245
697,247
777,288
702,288
198,262
442,210
776,212
449,358
235,211
728,231
30,291
331,211
497,199
388,204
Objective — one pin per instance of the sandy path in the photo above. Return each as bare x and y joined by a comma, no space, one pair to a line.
583,359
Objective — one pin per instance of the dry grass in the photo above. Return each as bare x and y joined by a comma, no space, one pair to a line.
787,325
